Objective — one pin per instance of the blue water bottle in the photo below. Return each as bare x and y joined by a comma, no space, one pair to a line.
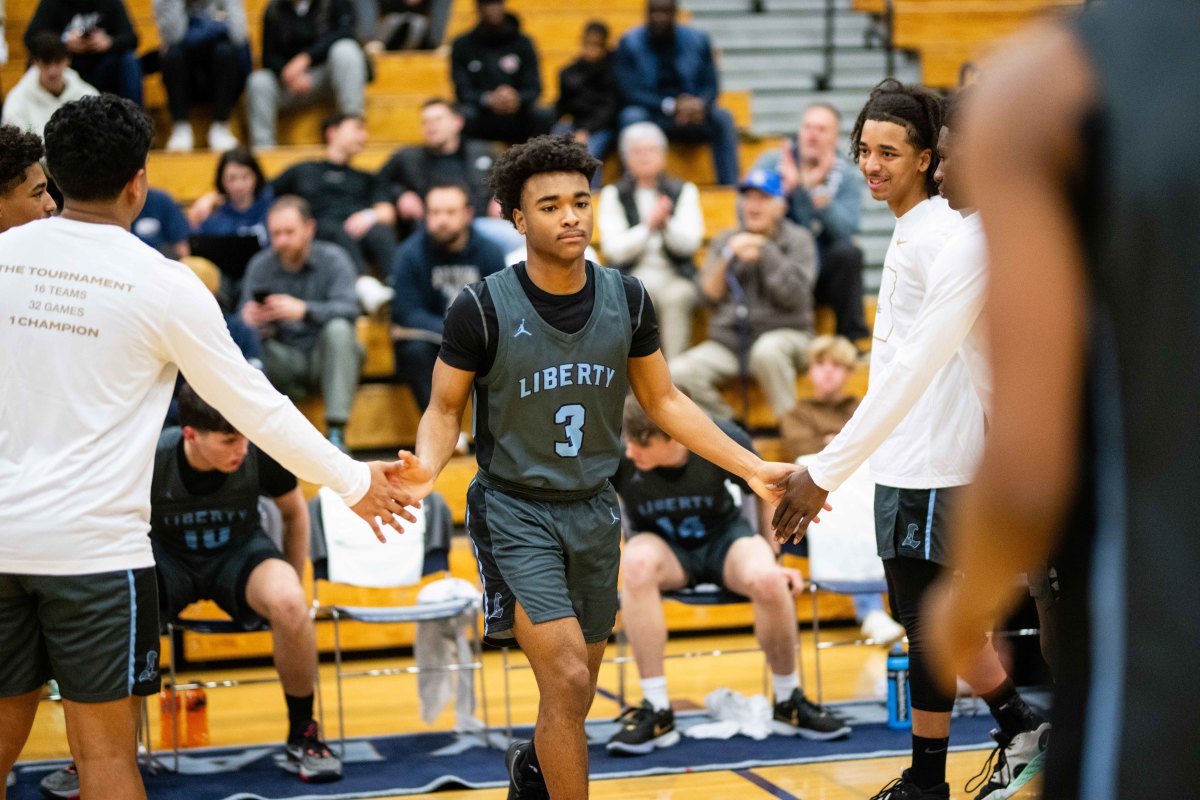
898,699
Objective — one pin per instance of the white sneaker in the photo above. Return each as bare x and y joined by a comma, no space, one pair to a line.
181,140
879,627
220,138
372,294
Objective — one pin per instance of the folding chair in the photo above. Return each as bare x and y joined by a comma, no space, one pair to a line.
420,551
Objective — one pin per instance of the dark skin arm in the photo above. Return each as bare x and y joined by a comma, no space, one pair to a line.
1011,516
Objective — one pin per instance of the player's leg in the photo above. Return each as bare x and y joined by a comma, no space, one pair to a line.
16,720
748,568
23,669
101,634
103,739
649,566
559,658
269,587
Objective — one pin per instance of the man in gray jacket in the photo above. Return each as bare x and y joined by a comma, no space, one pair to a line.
758,282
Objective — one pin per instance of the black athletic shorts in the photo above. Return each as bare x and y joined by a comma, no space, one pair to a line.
97,635
705,563
911,523
185,577
557,559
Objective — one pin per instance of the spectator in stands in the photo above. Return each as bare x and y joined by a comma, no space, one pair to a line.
100,39
404,24
811,425
207,469
685,528
588,95
352,208
205,55
651,226
299,294
161,225
240,202
432,267
309,52
758,282
666,75
46,86
497,80
443,157
825,196
23,185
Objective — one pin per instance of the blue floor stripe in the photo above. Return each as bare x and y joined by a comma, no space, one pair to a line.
607,695
765,785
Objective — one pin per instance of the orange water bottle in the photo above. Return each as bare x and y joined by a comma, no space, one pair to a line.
168,720
196,703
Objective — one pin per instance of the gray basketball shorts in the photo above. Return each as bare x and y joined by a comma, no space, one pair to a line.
97,635
557,559
911,523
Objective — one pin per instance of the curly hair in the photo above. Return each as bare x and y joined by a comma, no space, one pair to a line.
19,150
95,145
915,108
540,154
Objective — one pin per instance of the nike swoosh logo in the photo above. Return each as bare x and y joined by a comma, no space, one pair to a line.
659,730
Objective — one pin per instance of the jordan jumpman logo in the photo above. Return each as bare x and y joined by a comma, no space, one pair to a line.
521,330
615,518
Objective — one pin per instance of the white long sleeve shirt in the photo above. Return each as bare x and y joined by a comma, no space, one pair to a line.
94,326
921,423
624,243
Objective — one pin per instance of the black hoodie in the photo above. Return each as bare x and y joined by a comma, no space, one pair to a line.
485,58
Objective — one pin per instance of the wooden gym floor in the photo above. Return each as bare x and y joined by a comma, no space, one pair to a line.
256,714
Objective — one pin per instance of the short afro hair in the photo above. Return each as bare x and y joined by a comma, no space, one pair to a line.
19,150
96,145
536,156
916,109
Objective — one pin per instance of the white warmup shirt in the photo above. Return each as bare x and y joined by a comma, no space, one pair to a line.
93,326
922,420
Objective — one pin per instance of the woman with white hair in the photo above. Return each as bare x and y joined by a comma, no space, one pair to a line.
651,226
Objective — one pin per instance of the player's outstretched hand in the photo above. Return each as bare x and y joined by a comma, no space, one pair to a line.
802,500
388,498
766,476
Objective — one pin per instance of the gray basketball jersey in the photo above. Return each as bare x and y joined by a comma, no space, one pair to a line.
554,400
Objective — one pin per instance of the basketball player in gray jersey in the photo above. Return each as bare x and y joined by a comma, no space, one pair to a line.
549,348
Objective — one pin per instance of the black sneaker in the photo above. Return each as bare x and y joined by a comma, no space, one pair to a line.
904,789
62,783
311,758
643,729
524,780
799,716
1011,758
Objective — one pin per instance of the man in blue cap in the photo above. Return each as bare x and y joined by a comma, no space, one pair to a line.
758,281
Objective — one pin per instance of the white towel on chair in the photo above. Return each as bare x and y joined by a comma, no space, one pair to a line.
356,557
441,643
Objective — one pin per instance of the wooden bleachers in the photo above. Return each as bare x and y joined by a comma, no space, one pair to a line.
947,33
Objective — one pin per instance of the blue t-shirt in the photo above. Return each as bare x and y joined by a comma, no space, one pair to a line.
161,223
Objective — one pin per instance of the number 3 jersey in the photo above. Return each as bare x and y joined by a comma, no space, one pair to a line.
548,412
686,505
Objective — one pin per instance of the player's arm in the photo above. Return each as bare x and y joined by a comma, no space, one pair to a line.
294,511
682,420
438,432
1022,151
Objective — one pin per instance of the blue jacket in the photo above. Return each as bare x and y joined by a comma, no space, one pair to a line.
636,67
427,278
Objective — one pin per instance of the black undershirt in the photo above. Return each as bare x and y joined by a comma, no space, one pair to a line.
465,345
273,479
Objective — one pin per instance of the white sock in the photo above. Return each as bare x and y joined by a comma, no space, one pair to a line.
654,692
784,685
